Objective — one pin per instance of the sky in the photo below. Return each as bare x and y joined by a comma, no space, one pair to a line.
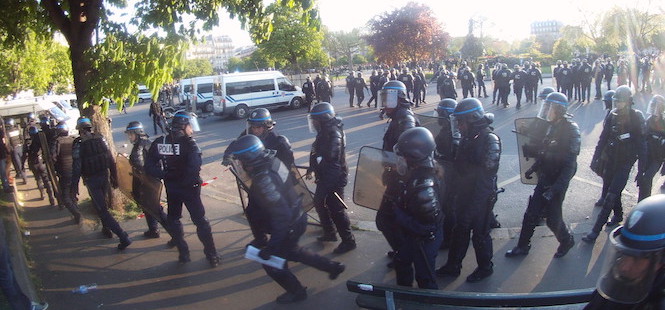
504,19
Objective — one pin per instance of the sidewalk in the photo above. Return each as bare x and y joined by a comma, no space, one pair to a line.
147,275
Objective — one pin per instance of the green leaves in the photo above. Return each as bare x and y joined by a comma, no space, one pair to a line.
123,62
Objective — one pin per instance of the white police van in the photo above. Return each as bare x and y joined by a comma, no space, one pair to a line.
236,94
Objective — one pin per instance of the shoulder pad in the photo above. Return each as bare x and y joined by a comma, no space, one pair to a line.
421,183
493,138
283,140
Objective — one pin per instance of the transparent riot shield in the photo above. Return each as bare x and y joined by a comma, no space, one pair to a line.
432,123
124,172
530,134
244,182
48,162
374,166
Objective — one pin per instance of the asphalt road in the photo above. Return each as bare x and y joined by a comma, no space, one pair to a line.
363,127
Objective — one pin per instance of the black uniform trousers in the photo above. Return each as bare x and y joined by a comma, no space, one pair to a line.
586,91
476,219
42,179
531,91
331,210
66,200
518,89
291,251
17,151
614,181
504,92
552,211
99,190
176,196
419,255
646,182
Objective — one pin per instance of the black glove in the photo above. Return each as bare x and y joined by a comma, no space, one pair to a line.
226,161
264,254
595,166
528,174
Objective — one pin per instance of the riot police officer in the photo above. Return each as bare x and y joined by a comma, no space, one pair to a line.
324,90
419,215
447,142
609,73
350,88
261,125
15,137
502,79
620,144
586,75
633,277
476,164
468,81
92,160
407,79
566,79
396,105
360,86
140,146
327,160
176,158
63,161
555,166
655,141
38,167
519,80
533,75
309,91
447,86
281,213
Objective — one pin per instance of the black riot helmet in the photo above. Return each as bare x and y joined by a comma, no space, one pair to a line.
556,102
83,123
470,110
260,118
10,122
623,97
32,117
415,144
183,118
45,121
636,253
393,94
33,130
545,91
248,150
135,127
445,108
62,128
607,99
320,113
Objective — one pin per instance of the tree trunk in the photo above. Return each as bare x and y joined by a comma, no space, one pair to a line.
82,69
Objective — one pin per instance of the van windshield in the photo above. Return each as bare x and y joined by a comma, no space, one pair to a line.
285,85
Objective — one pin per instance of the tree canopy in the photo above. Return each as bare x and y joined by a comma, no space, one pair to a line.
343,45
193,67
296,39
411,33
38,64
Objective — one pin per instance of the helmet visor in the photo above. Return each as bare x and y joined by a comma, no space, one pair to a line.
388,97
194,122
627,275
401,164
545,108
656,108
312,124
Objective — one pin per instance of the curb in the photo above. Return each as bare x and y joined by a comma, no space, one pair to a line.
15,243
